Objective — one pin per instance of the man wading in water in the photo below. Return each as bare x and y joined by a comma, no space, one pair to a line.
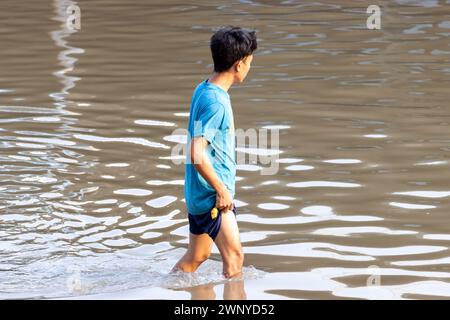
211,160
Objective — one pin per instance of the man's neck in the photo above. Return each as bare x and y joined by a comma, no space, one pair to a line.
224,80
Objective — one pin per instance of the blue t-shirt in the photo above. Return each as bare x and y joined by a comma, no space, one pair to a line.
210,116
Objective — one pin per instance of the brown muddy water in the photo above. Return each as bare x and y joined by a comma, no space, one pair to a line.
91,200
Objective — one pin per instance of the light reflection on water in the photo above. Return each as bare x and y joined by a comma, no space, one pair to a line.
92,204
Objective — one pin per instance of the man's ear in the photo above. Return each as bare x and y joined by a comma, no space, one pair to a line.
238,66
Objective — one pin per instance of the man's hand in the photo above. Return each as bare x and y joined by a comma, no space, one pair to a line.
224,201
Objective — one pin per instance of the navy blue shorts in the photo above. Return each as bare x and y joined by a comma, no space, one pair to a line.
203,223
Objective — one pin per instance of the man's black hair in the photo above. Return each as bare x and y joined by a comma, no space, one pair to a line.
231,44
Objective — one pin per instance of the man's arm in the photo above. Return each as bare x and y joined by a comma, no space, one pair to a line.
199,158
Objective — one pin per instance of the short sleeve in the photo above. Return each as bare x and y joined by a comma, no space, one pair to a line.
209,121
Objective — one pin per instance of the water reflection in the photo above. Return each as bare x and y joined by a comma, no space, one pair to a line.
232,290
88,179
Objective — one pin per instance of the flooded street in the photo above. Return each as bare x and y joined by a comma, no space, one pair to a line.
91,196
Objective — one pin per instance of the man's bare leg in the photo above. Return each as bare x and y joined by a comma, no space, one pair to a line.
229,245
199,250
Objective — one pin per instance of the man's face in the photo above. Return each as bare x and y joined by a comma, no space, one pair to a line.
242,68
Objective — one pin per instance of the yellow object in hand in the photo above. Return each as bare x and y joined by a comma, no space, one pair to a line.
214,213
